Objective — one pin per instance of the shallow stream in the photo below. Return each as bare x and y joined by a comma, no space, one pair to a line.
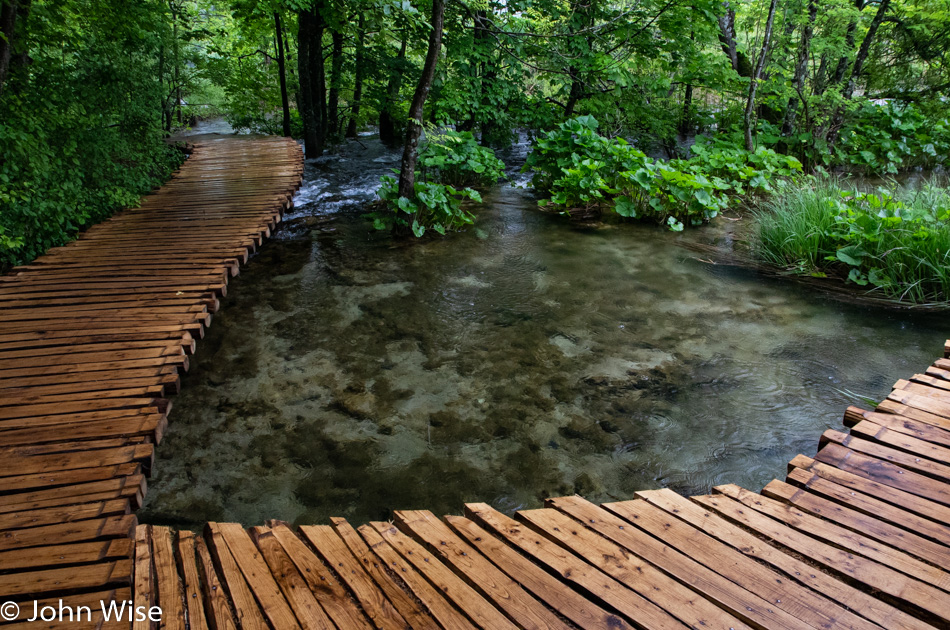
349,375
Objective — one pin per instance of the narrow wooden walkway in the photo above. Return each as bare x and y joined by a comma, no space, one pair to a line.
856,537
93,335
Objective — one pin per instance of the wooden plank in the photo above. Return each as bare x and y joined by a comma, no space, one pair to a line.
894,536
605,588
915,461
938,393
890,406
144,591
51,516
901,424
911,593
93,529
292,584
219,614
38,464
450,585
152,425
191,581
91,611
257,574
63,484
248,614
130,487
466,562
169,589
884,472
439,607
765,584
917,448
371,597
866,605
869,505
921,402
895,496
830,533
414,614
711,602
77,553
568,602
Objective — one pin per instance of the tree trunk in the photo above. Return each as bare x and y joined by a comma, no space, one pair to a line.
727,39
357,82
387,125
838,120
307,114
577,90
318,82
407,172
844,62
282,73
336,78
754,82
686,121
820,82
866,47
801,69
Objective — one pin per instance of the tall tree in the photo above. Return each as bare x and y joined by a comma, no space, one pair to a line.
756,75
801,70
336,80
282,72
359,61
410,154
387,122
307,111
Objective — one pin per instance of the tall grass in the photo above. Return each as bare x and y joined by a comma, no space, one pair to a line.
894,241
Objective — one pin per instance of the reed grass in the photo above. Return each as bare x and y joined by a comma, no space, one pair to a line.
894,241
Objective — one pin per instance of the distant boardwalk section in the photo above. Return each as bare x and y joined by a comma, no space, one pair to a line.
93,335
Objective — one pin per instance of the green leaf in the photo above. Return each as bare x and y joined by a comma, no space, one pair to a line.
851,255
417,229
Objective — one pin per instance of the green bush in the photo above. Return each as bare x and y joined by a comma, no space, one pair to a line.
449,161
456,158
435,206
579,168
891,137
894,241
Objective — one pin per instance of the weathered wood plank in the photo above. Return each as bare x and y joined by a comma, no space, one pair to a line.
707,521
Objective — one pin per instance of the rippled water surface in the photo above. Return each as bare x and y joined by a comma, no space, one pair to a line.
349,375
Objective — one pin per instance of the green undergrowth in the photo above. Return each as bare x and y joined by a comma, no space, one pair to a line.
60,175
578,169
894,241
451,164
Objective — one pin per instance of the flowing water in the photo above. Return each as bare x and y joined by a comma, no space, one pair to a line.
349,374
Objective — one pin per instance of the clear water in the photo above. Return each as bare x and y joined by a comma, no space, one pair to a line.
350,375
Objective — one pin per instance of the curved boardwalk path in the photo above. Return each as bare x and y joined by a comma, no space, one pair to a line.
93,334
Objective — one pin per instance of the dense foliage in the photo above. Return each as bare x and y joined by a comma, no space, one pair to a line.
80,119
893,240
449,160
578,168
614,93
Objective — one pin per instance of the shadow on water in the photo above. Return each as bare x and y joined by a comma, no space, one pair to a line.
350,375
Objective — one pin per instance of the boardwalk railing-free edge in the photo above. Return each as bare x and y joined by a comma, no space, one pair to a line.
93,335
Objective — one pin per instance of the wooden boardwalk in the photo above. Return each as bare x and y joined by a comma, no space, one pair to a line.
856,537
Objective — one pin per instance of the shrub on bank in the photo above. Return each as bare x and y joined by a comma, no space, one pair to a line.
578,168
894,241
449,161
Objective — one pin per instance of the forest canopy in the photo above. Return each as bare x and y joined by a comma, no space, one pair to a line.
91,89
